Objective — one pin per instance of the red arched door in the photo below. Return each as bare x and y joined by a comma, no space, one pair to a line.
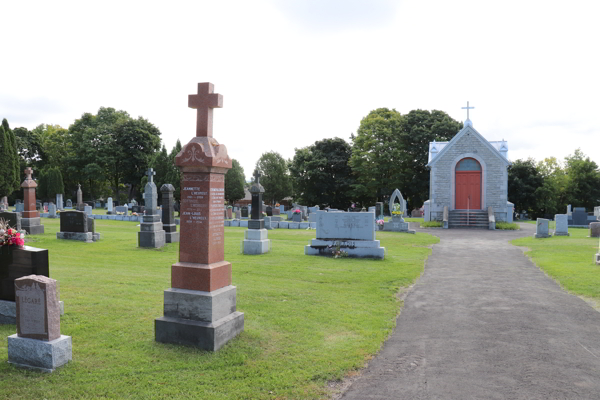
468,184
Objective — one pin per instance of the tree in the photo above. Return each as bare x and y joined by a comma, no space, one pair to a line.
321,174
234,183
10,161
174,175
390,151
275,177
551,196
54,182
583,186
159,161
523,182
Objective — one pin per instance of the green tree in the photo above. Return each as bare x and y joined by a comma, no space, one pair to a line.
159,161
10,161
523,182
42,185
551,196
54,183
174,175
321,174
275,177
234,183
583,186
390,151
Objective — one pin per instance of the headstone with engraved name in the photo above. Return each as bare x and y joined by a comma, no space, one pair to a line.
109,206
200,307
75,225
51,210
562,225
38,343
19,207
542,229
579,217
168,214
595,229
69,203
353,233
151,233
244,212
30,220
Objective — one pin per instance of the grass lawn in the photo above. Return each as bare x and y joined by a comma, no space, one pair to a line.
567,259
308,320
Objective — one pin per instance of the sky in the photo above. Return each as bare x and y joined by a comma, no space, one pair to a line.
295,72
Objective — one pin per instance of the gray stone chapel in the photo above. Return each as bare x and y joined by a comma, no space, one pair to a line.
468,174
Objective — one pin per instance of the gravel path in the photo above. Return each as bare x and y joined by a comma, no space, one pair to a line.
483,322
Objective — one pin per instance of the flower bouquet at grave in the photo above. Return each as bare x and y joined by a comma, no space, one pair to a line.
336,251
297,211
264,214
10,236
276,204
134,214
229,206
380,222
397,210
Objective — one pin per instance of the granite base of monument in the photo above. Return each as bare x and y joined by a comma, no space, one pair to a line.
255,242
172,237
199,318
397,225
354,248
42,355
597,258
87,237
151,233
33,226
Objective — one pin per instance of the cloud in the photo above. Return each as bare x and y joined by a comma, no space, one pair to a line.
29,111
338,15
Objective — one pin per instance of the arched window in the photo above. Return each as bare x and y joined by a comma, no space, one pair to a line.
468,164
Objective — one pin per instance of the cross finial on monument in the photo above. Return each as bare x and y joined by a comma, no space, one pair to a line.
150,174
467,108
204,102
257,176
28,171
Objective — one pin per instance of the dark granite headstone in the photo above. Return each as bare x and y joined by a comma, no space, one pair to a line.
18,262
13,219
74,221
269,211
580,216
257,221
168,217
244,212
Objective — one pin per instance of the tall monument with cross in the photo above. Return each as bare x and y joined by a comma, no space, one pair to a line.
30,220
255,237
151,232
200,306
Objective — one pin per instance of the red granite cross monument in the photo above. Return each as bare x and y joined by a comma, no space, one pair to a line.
202,277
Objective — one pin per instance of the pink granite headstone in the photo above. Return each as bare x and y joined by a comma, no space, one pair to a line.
38,311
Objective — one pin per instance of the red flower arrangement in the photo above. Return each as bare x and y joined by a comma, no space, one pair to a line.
10,237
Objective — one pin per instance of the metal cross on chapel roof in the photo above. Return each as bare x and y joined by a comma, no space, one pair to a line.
467,108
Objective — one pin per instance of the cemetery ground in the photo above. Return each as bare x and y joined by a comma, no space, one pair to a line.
569,260
309,321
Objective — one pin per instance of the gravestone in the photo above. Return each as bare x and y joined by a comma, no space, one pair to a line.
80,204
51,210
269,211
59,201
38,205
595,229
75,225
98,204
276,211
88,210
597,213
151,233
69,203
281,208
244,212
542,229
121,209
109,206
297,216
38,343
562,225
12,218
580,217
19,207
255,237
15,263
200,307
30,220
229,213
168,214
397,223
354,233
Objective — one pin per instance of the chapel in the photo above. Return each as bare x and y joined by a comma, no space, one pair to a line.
468,174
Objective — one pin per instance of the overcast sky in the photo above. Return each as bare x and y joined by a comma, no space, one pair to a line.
294,72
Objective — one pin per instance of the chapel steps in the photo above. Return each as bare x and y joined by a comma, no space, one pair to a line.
477,219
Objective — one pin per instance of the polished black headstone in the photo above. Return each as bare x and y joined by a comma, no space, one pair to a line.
256,205
168,208
580,216
269,211
74,221
19,262
244,212
12,218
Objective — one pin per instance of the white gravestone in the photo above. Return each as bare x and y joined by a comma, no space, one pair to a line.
562,225
541,229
